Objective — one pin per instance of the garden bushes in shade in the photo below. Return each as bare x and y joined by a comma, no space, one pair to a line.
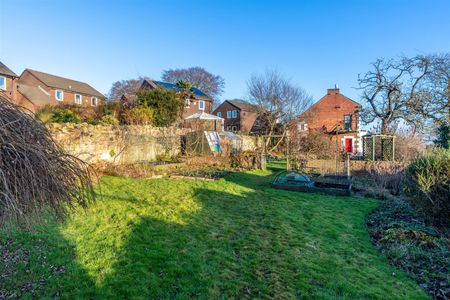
35,173
427,185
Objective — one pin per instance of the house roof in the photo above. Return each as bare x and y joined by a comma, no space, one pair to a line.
203,116
326,97
35,94
173,86
4,70
65,83
243,105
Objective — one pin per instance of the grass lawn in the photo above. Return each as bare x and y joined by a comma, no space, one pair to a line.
232,238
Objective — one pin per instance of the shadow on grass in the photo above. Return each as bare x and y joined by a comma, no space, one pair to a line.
246,240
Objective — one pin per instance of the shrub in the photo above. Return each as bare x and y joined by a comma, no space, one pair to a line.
138,116
427,185
35,173
58,115
166,105
109,120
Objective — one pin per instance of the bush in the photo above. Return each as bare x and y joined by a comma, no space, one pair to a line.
427,185
109,120
166,105
58,115
138,116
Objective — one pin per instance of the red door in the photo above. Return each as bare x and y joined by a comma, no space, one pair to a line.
348,144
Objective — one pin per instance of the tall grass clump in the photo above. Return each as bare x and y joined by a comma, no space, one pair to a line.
427,185
35,173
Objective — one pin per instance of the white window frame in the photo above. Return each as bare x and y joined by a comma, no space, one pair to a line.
228,114
201,105
75,99
3,86
96,101
219,114
62,95
187,103
234,114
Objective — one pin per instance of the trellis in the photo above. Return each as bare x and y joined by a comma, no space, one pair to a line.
379,147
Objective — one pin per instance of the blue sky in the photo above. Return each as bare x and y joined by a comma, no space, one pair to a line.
314,43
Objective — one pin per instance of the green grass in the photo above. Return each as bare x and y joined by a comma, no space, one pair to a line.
233,238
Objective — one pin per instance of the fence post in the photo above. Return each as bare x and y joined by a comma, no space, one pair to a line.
263,154
348,166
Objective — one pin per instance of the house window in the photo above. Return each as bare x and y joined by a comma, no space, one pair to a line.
348,122
94,101
302,126
219,114
229,114
78,99
187,103
3,83
234,113
59,95
234,128
201,105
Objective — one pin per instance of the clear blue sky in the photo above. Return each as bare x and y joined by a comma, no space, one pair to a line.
315,43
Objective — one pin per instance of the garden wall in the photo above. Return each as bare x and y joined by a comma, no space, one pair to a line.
122,144
117,144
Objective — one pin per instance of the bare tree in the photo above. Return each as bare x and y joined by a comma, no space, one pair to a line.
278,102
208,83
435,92
394,89
121,87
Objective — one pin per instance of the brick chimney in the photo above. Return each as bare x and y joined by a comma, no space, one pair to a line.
334,91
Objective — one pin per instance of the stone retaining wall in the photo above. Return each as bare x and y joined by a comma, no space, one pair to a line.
117,144
123,144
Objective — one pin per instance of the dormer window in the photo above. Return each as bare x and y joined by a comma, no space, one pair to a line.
2,83
94,101
59,95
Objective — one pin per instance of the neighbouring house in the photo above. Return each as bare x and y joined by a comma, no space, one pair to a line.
200,102
8,82
37,89
335,115
239,115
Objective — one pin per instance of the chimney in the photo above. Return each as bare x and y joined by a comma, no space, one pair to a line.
334,91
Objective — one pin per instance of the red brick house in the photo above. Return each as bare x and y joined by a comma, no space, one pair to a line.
200,102
8,82
239,115
335,115
38,89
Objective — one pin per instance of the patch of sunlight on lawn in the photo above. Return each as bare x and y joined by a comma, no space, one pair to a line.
100,232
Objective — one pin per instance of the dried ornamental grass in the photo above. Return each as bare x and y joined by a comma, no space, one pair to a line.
35,173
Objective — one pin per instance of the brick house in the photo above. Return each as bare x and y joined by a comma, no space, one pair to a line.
200,102
239,115
8,82
38,89
335,115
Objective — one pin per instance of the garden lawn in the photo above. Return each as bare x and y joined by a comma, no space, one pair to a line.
232,238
